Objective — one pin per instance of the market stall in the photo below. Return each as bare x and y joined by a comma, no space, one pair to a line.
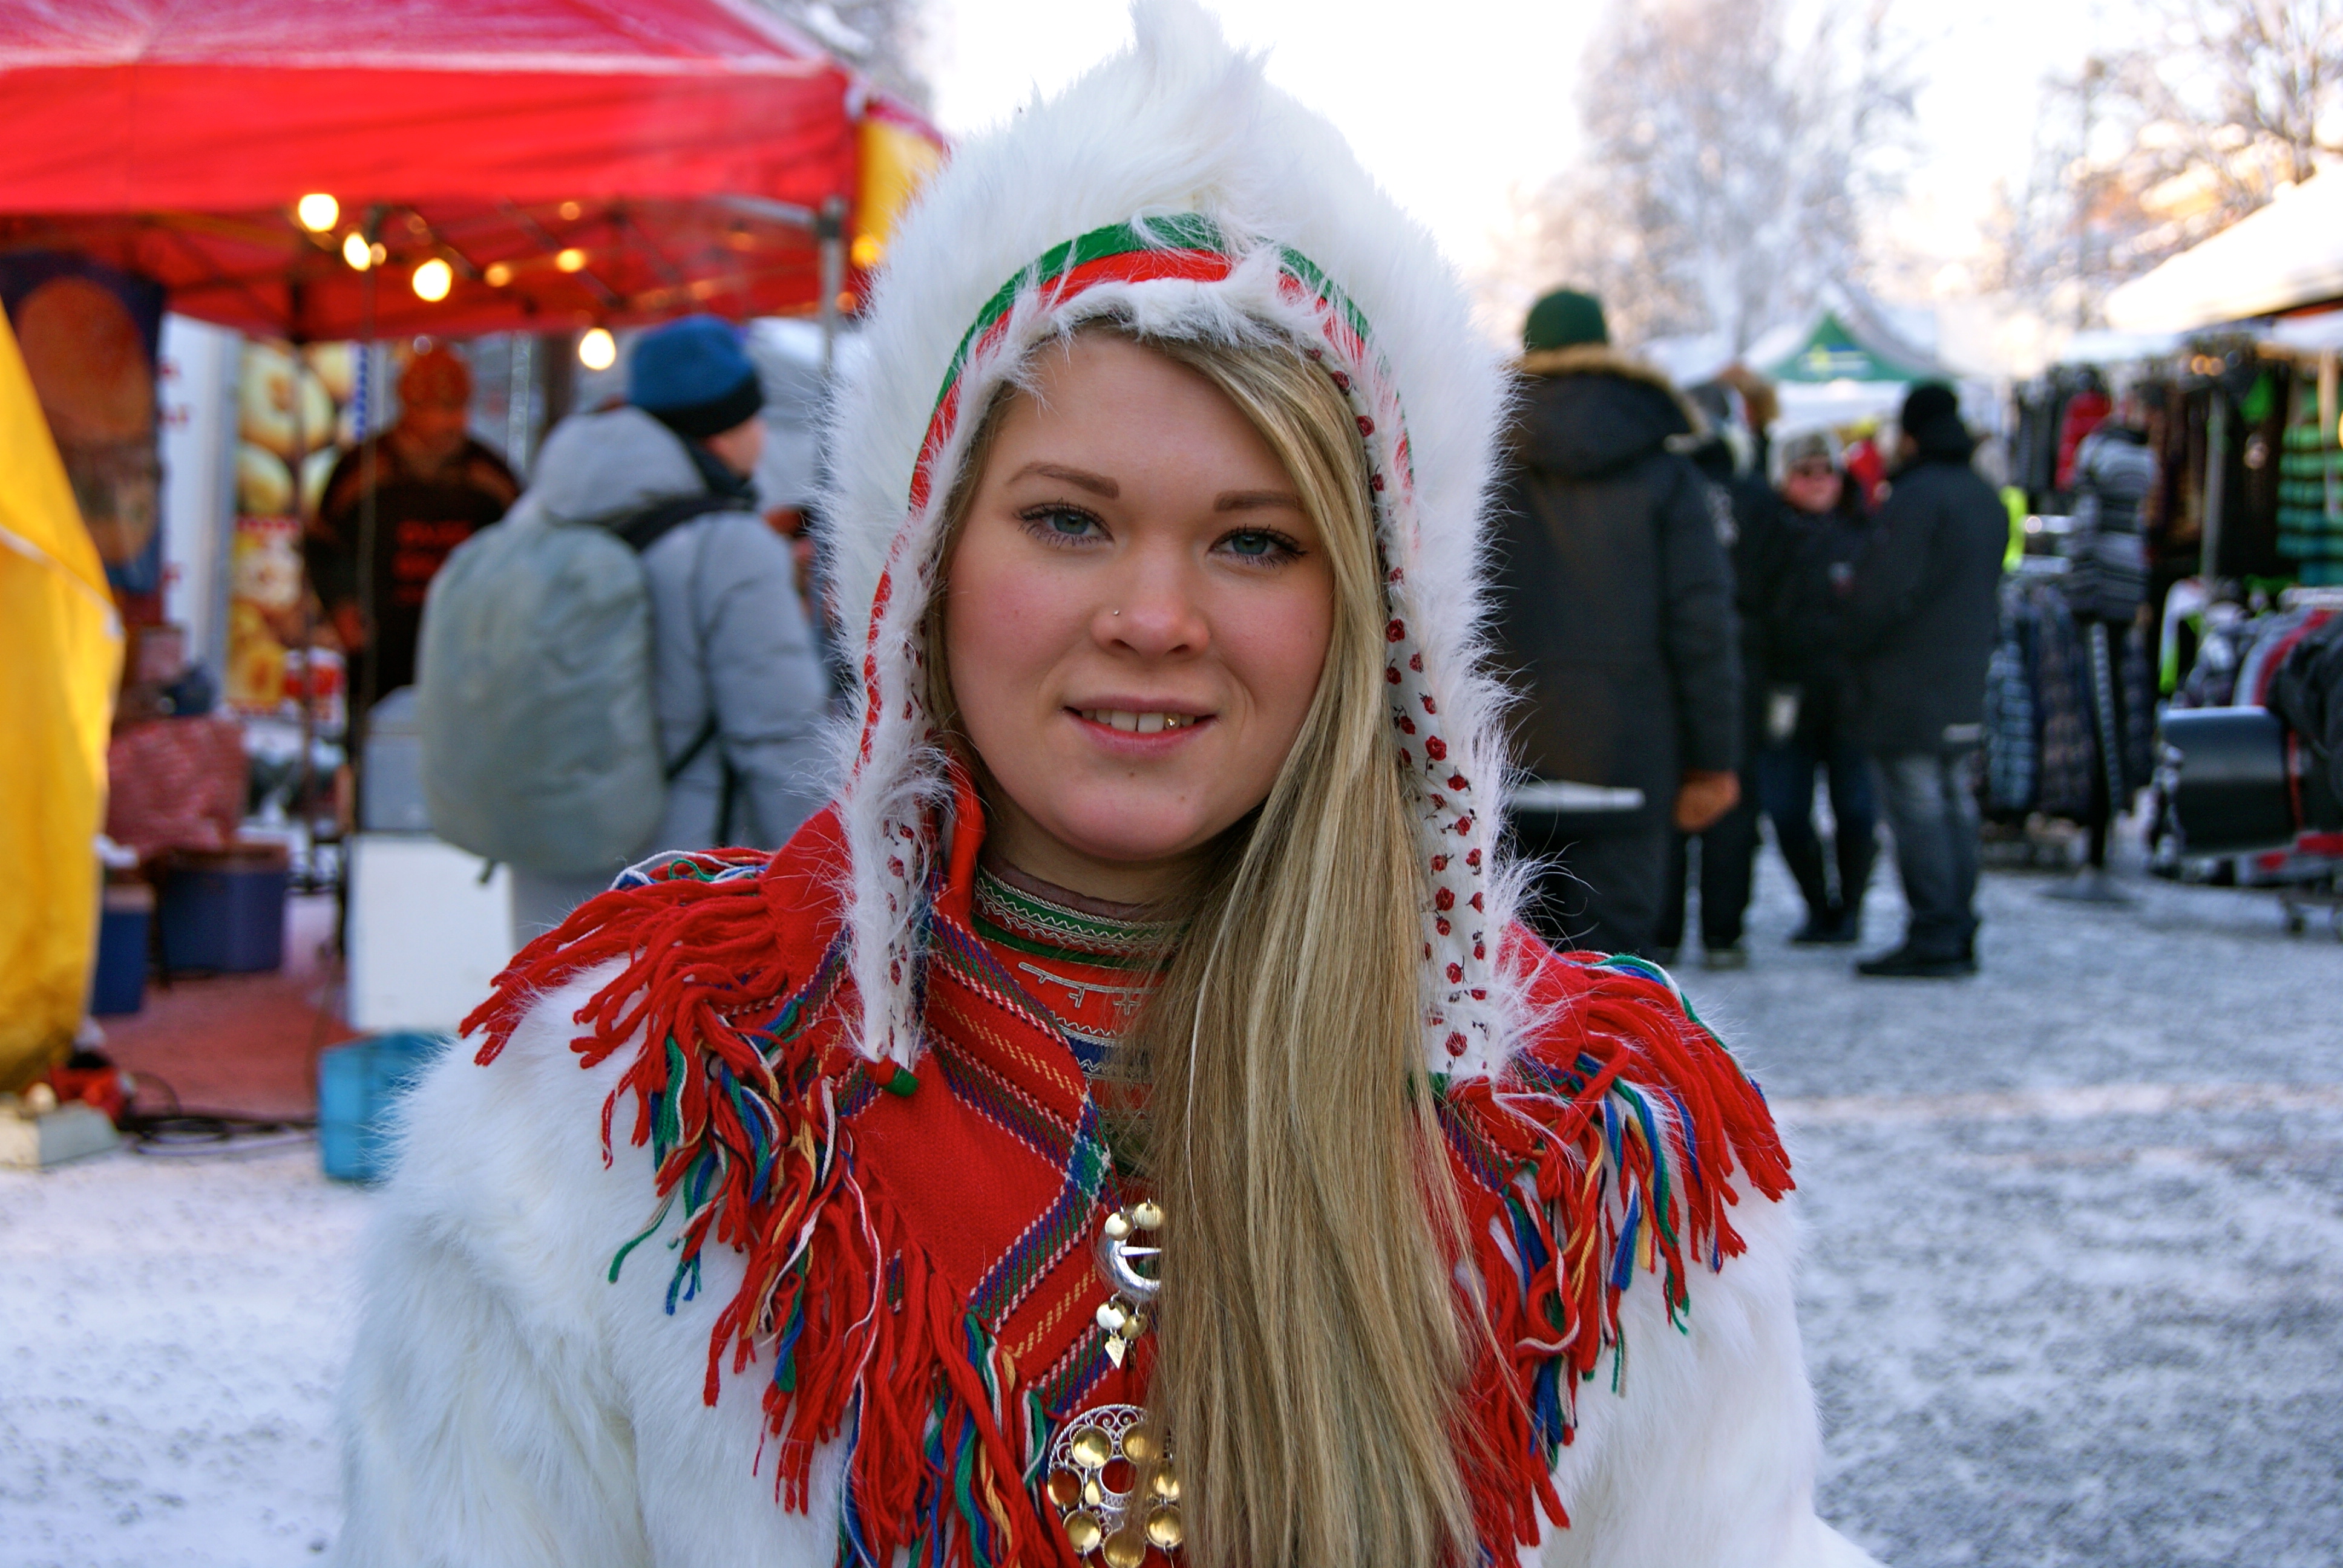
2284,257
316,177
266,162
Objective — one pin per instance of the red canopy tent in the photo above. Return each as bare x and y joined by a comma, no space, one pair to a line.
572,161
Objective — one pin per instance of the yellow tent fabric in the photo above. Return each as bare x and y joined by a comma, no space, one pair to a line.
61,652
896,162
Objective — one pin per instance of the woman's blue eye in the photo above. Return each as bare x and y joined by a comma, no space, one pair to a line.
1260,546
1061,522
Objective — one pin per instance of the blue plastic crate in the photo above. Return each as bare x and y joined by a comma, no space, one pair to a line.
117,981
222,910
358,1086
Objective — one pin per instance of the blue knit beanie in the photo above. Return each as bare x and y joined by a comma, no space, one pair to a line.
694,376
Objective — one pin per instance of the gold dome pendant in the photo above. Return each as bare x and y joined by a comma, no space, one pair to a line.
1111,1481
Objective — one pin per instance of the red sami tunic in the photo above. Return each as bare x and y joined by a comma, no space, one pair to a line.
920,1245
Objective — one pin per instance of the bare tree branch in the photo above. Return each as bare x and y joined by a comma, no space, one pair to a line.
881,38
2218,108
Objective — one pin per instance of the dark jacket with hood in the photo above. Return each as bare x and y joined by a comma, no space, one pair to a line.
1612,600
1806,634
1925,606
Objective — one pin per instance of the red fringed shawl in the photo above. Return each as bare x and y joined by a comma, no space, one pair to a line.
918,1244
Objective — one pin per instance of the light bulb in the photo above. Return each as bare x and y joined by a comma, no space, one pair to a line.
356,252
497,275
317,212
598,350
571,260
433,279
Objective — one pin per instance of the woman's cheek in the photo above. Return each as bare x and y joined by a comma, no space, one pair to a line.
1006,629
1278,649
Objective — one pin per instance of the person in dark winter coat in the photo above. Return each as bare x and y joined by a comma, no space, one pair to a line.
434,486
1612,616
1807,724
1921,617
1749,519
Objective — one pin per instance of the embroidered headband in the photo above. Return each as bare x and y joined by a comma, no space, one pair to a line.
894,808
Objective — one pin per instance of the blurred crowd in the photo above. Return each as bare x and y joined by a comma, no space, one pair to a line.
1703,622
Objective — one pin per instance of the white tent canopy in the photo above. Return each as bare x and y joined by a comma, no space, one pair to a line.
2288,254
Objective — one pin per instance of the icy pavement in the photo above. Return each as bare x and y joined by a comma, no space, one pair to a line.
2074,1291
2074,1282
171,1335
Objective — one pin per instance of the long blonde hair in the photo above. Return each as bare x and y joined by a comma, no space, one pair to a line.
1310,1359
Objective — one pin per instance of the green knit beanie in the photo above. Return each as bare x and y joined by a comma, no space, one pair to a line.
1564,320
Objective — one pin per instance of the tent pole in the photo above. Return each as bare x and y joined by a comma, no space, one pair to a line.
829,232
2217,463
304,780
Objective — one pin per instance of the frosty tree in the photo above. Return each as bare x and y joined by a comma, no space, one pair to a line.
2211,109
880,36
1729,165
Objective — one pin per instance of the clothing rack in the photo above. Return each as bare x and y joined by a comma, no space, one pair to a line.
2045,709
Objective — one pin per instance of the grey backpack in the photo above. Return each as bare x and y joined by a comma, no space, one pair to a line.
540,746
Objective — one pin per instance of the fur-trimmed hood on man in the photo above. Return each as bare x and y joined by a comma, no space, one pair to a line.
1173,190
1589,408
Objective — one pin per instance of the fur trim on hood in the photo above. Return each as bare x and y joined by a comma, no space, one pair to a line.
1174,188
1602,359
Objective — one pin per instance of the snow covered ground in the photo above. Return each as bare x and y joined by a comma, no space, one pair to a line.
2074,1291
171,1333
2074,1284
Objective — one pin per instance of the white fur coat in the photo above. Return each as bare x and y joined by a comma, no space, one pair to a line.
509,1407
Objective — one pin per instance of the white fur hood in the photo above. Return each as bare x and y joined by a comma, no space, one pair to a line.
1175,187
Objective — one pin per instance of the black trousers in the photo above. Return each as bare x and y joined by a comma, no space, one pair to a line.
1728,862
1598,880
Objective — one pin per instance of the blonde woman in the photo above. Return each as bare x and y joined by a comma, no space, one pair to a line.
1127,1127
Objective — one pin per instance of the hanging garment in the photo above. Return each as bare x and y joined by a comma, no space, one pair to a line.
2010,742
2062,707
2310,493
2084,413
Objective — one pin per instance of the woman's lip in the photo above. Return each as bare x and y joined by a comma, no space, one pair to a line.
1130,743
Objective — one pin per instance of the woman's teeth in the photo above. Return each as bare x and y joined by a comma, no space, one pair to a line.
1138,723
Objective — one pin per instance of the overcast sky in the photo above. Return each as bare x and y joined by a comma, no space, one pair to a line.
1455,105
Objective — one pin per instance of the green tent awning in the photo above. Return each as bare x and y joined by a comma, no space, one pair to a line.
1832,352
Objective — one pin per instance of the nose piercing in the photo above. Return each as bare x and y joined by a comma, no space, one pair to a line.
1114,612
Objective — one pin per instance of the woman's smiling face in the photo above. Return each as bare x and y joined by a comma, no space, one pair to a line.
1137,611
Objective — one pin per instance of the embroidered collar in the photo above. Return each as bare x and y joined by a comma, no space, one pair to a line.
1087,970
1030,921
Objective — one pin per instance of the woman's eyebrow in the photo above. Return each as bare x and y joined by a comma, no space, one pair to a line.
1256,500
1080,478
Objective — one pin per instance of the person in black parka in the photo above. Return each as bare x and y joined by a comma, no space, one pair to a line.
1612,619
1757,546
1920,619
1809,725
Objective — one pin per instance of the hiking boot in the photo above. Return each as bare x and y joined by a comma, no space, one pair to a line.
1833,927
1905,963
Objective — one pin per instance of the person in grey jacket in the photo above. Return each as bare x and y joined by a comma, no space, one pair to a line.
1920,618
738,684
